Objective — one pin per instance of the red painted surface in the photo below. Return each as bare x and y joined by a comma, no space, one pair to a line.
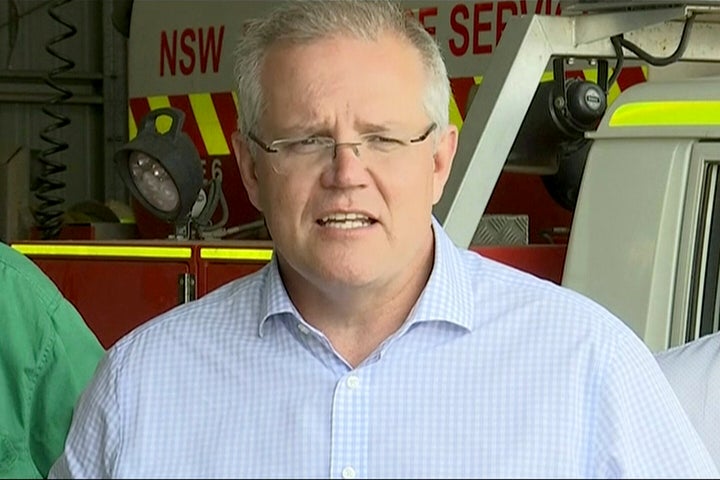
545,261
114,296
523,194
218,273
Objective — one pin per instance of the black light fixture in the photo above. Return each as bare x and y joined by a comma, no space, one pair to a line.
162,170
551,141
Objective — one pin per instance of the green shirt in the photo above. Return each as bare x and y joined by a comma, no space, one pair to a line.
47,356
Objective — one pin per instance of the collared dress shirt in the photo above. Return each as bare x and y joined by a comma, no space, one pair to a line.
693,370
495,373
47,356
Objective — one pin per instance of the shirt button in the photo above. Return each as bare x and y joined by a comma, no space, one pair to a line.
348,472
352,382
303,329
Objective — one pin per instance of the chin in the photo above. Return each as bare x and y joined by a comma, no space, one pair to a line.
356,274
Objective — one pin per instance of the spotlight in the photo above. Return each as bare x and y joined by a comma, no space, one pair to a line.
163,171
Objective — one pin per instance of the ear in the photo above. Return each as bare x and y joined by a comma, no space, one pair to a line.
248,173
444,155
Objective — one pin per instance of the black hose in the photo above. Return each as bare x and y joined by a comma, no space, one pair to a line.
49,213
619,60
619,42
672,58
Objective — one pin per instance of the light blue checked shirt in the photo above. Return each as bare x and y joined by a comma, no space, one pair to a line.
693,370
494,374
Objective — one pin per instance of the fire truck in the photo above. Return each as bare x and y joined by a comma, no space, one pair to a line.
588,155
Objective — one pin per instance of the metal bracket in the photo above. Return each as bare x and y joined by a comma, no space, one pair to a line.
496,113
186,288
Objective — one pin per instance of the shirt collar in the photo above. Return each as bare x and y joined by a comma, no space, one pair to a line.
447,297
276,299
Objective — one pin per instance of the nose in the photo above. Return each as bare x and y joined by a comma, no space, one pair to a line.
355,146
346,169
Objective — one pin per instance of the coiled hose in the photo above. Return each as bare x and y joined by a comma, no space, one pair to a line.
49,212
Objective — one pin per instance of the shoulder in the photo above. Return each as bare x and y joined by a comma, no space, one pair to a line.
34,311
705,345
230,311
195,345
21,275
511,300
700,355
508,289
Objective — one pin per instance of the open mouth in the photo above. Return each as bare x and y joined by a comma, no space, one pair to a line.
346,221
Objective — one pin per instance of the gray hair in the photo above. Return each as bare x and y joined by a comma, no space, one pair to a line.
302,21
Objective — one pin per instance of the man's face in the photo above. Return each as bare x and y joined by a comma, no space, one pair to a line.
316,211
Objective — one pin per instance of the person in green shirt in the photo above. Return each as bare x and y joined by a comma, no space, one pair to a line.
47,356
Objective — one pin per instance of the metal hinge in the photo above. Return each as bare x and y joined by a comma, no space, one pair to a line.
186,288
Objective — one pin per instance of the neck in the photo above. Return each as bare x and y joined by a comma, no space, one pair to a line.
358,319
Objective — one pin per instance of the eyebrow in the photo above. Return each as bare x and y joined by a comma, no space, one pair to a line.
322,129
376,127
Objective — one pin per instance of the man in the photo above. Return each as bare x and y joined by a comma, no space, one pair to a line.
693,370
371,346
47,356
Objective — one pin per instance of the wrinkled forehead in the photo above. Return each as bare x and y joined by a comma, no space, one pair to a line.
380,79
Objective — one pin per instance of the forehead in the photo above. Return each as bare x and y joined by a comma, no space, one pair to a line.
340,76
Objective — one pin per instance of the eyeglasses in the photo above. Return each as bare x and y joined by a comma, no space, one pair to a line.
292,153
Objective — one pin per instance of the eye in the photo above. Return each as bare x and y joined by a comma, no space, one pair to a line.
382,143
310,141
382,139
308,145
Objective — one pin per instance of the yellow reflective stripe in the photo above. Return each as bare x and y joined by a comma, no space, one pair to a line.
455,117
208,123
668,113
236,253
162,123
132,127
613,93
158,101
235,100
104,251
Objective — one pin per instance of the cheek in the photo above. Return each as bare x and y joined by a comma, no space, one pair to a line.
283,195
409,194
415,181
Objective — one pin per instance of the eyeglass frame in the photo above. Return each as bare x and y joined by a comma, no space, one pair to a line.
268,148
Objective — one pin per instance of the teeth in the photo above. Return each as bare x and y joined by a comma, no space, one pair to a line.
341,217
347,225
346,220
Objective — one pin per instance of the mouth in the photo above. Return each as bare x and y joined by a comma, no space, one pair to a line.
346,221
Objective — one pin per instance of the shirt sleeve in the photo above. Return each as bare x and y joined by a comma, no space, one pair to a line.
65,368
693,370
47,355
93,443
